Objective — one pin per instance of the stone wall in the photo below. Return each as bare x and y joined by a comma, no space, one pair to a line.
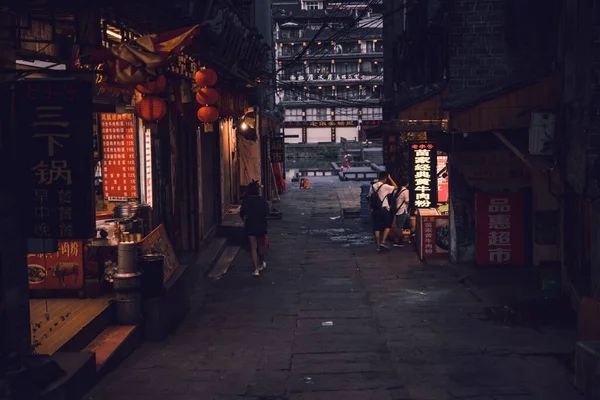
477,49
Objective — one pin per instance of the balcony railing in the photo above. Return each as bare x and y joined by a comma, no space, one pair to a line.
289,53
333,77
326,101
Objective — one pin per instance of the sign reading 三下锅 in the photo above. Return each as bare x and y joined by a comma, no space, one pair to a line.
54,121
423,161
119,167
499,229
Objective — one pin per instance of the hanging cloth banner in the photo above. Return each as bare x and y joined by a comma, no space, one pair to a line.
131,63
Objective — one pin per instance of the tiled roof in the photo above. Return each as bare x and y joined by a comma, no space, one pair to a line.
417,94
463,99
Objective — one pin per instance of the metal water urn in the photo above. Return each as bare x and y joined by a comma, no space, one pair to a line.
127,285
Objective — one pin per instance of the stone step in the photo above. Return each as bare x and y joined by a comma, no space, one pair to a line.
113,345
224,262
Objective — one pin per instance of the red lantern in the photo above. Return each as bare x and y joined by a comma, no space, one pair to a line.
208,114
151,108
207,96
153,87
206,77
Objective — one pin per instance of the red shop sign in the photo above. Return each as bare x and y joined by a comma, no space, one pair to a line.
119,170
57,271
442,161
499,229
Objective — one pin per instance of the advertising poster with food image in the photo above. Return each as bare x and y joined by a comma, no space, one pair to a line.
62,270
442,235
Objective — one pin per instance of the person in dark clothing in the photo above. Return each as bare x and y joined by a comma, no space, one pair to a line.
254,212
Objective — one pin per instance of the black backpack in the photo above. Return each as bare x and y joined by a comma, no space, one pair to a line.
374,200
393,201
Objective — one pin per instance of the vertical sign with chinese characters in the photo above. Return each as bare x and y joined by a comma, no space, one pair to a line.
442,182
54,121
118,145
499,229
148,165
277,149
423,161
428,236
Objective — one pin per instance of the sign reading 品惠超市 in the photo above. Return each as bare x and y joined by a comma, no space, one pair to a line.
277,149
55,124
499,229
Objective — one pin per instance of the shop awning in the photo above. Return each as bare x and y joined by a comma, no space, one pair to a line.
372,132
130,63
420,110
505,104
422,103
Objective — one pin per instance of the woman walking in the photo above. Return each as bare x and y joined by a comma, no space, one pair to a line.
254,212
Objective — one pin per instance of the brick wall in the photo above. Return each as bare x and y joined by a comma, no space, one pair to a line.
477,49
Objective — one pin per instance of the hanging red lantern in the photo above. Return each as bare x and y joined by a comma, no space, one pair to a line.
153,87
207,96
151,108
206,77
208,114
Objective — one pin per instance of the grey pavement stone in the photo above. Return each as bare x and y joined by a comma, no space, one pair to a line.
368,394
340,363
401,329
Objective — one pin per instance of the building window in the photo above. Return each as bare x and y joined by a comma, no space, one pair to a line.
319,69
347,92
318,114
346,68
293,114
372,113
346,113
312,5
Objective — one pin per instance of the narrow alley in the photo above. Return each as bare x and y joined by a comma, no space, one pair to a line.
331,319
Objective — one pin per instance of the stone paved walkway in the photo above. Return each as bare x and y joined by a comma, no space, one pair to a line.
331,319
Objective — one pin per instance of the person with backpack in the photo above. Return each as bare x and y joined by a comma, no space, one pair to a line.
399,201
380,208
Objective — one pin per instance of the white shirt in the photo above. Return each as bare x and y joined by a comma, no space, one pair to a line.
400,198
382,193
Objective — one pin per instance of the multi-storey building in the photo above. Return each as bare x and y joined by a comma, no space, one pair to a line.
329,68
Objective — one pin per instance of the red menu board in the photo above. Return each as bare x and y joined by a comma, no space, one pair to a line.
499,229
442,182
119,167
59,271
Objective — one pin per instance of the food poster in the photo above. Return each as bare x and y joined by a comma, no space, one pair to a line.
62,270
435,236
442,235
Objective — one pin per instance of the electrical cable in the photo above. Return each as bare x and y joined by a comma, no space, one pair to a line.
336,35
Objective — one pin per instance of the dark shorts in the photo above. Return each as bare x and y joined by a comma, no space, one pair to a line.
255,231
382,219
